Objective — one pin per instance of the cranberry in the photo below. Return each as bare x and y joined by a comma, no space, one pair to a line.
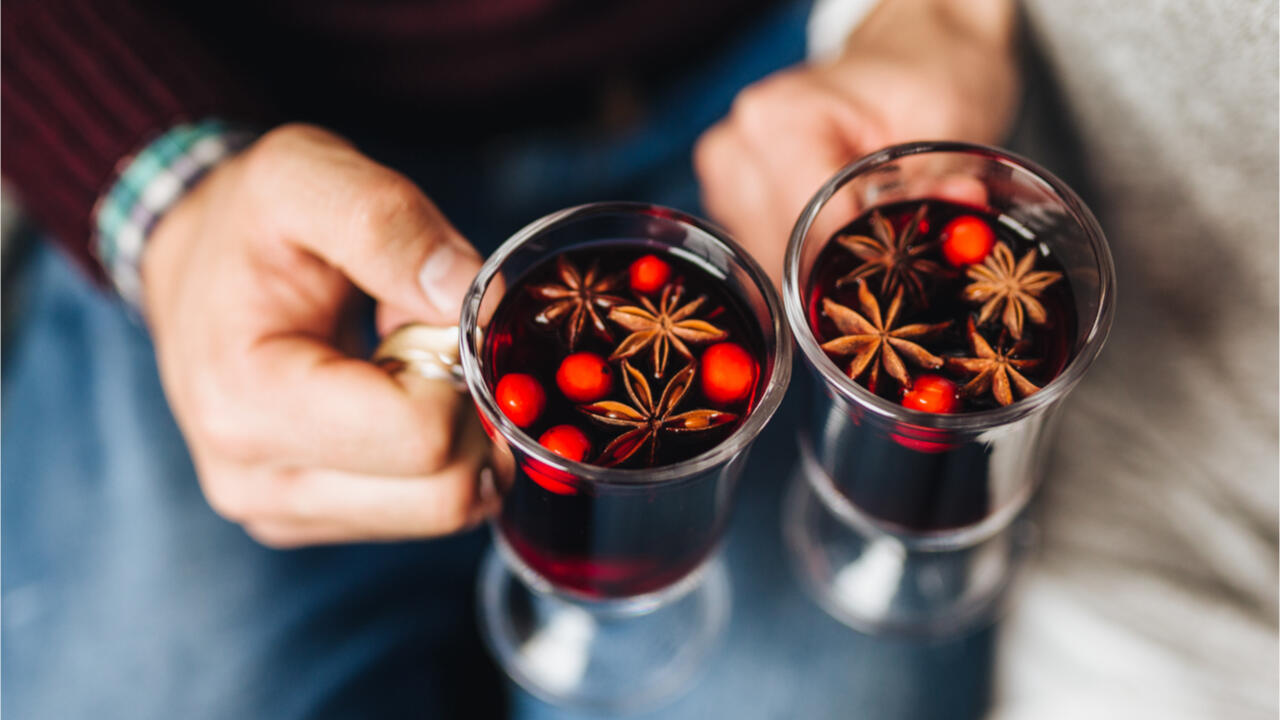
649,274
521,398
728,373
967,240
924,440
584,377
566,441
569,443
933,394
550,479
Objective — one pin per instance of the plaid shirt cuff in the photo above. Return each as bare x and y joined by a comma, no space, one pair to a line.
151,183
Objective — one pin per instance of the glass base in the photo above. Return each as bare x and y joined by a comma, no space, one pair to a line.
606,656
877,581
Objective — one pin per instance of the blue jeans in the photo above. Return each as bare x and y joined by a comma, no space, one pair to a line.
125,596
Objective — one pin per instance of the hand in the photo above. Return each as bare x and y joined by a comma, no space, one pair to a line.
246,282
914,70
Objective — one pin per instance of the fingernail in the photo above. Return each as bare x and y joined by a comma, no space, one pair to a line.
445,276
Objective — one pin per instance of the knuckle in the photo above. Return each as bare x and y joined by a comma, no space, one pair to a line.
754,106
223,434
429,446
768,107
385,197
264,161
249,498
457,520
274,537
274,143
222,424
425,431
226,497
382,202
453,513
708,151
288,137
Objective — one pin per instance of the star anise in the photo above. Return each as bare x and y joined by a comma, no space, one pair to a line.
995,370
668,325
576,299
892,255
868,335
647,419
1000,281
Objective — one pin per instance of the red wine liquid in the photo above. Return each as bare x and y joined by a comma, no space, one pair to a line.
518,343
916,478
1051,342
611,541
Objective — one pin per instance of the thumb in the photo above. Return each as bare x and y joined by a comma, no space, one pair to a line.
374,225
445,275
404,253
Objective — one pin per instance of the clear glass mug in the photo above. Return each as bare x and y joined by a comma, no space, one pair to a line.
912,522
603,590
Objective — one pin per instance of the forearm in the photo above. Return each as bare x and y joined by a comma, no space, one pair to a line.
966,48
902,28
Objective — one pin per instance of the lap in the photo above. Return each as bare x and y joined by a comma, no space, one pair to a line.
126,596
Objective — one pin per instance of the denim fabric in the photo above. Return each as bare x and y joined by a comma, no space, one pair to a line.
124,596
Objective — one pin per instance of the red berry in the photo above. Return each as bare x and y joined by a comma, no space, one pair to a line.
924,440
566,441
521,398
967,240
584,377
549,478
649,274
728,373
932,393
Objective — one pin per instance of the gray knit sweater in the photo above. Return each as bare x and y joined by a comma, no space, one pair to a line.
1155,593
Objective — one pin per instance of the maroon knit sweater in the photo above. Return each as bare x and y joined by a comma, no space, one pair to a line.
86,83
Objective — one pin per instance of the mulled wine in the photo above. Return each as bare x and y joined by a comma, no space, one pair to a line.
942,308
623,355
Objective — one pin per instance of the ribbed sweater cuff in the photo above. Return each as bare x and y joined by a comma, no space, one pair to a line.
84,85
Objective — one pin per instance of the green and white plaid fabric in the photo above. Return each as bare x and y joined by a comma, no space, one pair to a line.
149,184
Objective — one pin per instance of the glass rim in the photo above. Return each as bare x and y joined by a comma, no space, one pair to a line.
723,451
1095,338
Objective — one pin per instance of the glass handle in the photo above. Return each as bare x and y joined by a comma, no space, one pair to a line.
428,351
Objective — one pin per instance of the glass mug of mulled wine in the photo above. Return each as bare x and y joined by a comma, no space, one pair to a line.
623,357
946,298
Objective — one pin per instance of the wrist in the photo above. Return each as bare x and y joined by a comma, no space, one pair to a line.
166,252
830,24
149,185
935,69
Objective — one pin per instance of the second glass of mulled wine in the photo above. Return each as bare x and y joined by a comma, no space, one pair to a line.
946,298
623,357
